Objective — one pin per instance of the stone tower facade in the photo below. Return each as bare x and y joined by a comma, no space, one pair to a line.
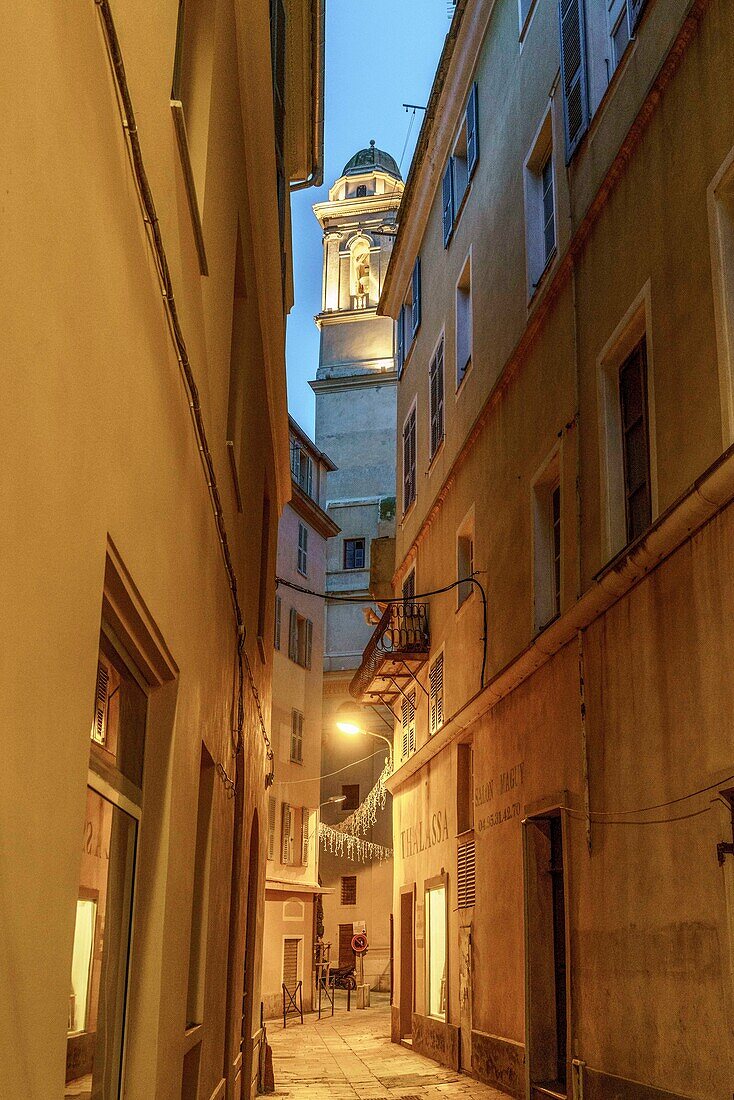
355,388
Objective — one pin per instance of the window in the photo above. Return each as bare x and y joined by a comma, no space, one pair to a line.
296,737
409,318
302,549
351,796
464,323
305,835
547,543
460,167
408,725
435,376
540,215
300,639
436,954
635,445
466,876
104,903
291,958
272,810
349,889
409,586
619,32
354,553
301,467
294,835
278,613
409,458
361,191
465,559
435,699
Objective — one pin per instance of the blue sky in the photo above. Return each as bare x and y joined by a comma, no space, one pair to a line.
379,55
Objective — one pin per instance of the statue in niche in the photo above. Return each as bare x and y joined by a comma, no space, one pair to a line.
361,270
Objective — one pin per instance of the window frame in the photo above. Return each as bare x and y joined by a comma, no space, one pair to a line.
345,553
296,742
466,275
539,258
302,552
440,346
412,414
431,885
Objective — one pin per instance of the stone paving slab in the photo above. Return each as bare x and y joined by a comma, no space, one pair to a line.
350,1057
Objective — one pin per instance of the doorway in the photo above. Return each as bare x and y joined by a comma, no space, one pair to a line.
407,967
545,953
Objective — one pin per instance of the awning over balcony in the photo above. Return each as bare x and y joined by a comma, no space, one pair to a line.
394,654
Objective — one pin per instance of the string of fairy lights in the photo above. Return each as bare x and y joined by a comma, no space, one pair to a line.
349,838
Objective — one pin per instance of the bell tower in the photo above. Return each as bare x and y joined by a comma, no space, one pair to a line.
356,392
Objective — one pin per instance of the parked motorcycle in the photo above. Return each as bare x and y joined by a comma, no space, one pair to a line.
342,977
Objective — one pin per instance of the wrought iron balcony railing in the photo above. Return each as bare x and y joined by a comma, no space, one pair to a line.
397,649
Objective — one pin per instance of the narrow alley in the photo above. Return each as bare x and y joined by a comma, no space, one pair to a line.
350,1057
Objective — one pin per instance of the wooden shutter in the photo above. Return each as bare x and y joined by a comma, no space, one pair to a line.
305,821
408,724
409,460
346,955
290,963
466,875
448,203
349,890
400,338
309,642
286,836
436,388
276,639
636,8
293,635
99,726
472,132
272,805
416,289
573,73
436,693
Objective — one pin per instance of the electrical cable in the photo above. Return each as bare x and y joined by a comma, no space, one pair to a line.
293,782
471,579
580,814
155,240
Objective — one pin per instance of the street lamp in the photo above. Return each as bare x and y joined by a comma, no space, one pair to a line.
349,721
334,800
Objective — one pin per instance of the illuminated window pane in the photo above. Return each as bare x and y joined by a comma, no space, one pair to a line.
81,964
436,936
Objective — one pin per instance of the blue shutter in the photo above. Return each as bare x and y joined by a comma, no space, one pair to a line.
400,355
472,132
573,73
448,202
416,311
636,8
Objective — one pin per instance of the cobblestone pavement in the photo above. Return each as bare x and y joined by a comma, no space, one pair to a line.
350,1056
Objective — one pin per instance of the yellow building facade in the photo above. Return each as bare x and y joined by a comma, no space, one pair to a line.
147,278
562,799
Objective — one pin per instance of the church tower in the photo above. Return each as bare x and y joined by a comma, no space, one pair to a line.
356,410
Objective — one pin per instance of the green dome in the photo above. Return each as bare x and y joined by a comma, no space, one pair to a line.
372,159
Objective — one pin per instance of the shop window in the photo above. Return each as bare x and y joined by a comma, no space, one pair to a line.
349,890
98,980
436,952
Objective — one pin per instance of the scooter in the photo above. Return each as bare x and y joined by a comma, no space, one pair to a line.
342,977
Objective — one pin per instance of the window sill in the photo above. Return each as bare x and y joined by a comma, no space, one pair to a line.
537,287
408,510
302,574
467,600
179,123
541,629
526,22
435,456
464,377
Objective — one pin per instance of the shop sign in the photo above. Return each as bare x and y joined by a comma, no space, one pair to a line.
424,835
492,791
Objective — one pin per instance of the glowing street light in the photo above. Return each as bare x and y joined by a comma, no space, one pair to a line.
349,720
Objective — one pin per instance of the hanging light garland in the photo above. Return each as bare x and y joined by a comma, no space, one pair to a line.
351,847
347,838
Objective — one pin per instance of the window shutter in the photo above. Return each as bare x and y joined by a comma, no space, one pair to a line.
400,325
271,827
309,642
305,820
448,202
435,677
466,875
309,477
636,8
436,388
290,963
286,834
99,728
409,461
416,308
293,635
573,72
408,724
277,622
472,132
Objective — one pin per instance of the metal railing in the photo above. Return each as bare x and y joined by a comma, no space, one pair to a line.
402,630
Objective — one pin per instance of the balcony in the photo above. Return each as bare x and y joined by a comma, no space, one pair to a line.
394,654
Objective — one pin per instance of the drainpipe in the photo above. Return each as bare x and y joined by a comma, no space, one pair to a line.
318,60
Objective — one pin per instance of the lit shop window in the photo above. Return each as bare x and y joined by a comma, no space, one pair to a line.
98,980
436,954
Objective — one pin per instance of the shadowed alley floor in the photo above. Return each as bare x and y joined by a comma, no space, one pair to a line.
350,1055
